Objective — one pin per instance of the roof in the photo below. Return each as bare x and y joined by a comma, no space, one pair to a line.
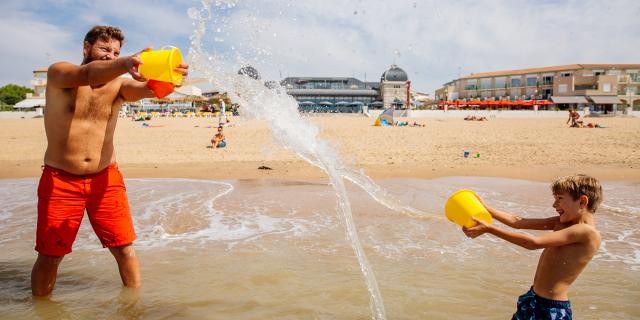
394,73
569,99
44,69
332,92
605,99
30,103
567,67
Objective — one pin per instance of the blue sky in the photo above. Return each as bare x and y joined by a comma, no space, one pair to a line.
434,41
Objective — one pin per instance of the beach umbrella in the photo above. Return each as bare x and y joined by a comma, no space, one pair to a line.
326,103
342,103
306,103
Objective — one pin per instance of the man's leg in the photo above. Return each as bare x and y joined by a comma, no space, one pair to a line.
43,274
127,265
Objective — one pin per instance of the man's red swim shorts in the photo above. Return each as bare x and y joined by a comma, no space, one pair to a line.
62,200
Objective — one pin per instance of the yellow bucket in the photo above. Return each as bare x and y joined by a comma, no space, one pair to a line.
160,64
462,206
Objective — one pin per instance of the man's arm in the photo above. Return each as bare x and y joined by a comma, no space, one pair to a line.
517,222
572,234
131,90
68,75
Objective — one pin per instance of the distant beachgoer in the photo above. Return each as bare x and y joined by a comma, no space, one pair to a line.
568,248
574,119
218,140
80,171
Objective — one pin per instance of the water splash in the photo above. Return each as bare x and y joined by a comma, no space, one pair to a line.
280,111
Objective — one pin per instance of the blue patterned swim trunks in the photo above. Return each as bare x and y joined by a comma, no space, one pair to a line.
534,307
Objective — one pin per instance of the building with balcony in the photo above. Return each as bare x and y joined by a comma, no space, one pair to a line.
35,100
599,87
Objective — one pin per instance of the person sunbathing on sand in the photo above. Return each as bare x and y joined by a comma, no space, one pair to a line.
568,248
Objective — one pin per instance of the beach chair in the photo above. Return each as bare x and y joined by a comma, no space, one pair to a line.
154,114
190,114
178,114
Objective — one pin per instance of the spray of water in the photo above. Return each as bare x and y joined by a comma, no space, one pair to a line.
292,131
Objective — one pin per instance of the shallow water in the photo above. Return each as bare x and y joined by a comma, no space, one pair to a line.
277,249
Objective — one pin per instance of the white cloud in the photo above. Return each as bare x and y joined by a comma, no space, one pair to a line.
433,41
30,44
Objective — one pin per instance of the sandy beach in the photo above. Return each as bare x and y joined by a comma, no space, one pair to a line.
238,242
531,149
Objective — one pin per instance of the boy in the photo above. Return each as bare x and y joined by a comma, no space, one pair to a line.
567,250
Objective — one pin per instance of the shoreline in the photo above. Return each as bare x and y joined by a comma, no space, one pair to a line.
300,170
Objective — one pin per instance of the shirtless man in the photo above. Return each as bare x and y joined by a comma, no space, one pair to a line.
570,246
80,171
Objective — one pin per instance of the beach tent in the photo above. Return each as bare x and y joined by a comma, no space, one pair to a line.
30,103
385,118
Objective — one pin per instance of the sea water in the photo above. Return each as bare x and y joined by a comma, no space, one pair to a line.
277,249
280,111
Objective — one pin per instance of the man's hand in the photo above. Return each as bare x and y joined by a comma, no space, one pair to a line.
183,69
132,62
479,229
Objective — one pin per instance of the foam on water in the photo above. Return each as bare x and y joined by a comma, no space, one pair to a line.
195,213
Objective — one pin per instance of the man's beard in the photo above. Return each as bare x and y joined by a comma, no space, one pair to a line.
87,59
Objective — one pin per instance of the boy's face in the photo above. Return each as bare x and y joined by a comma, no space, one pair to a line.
568,208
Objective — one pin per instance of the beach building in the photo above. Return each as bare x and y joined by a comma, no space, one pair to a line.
343,94
600,88
35,100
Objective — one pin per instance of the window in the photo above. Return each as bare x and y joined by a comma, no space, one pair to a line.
547,80
562,88
606,87
500,82
598,72
531,82
515,82
613,72
565,74
485,83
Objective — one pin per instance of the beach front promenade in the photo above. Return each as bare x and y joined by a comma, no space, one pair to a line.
529,148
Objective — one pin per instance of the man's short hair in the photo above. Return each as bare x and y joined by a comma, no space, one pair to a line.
219,127
105,33
580,185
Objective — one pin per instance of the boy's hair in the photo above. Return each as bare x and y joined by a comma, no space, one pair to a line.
104,33
219,127
580,185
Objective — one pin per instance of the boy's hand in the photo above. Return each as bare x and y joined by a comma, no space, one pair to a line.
479,229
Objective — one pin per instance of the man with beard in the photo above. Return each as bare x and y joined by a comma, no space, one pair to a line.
80,171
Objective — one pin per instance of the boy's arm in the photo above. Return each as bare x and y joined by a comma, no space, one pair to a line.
572,234
518,222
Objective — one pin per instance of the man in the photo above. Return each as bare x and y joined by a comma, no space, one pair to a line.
80,172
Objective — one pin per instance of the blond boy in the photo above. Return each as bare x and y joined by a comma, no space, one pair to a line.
567,249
